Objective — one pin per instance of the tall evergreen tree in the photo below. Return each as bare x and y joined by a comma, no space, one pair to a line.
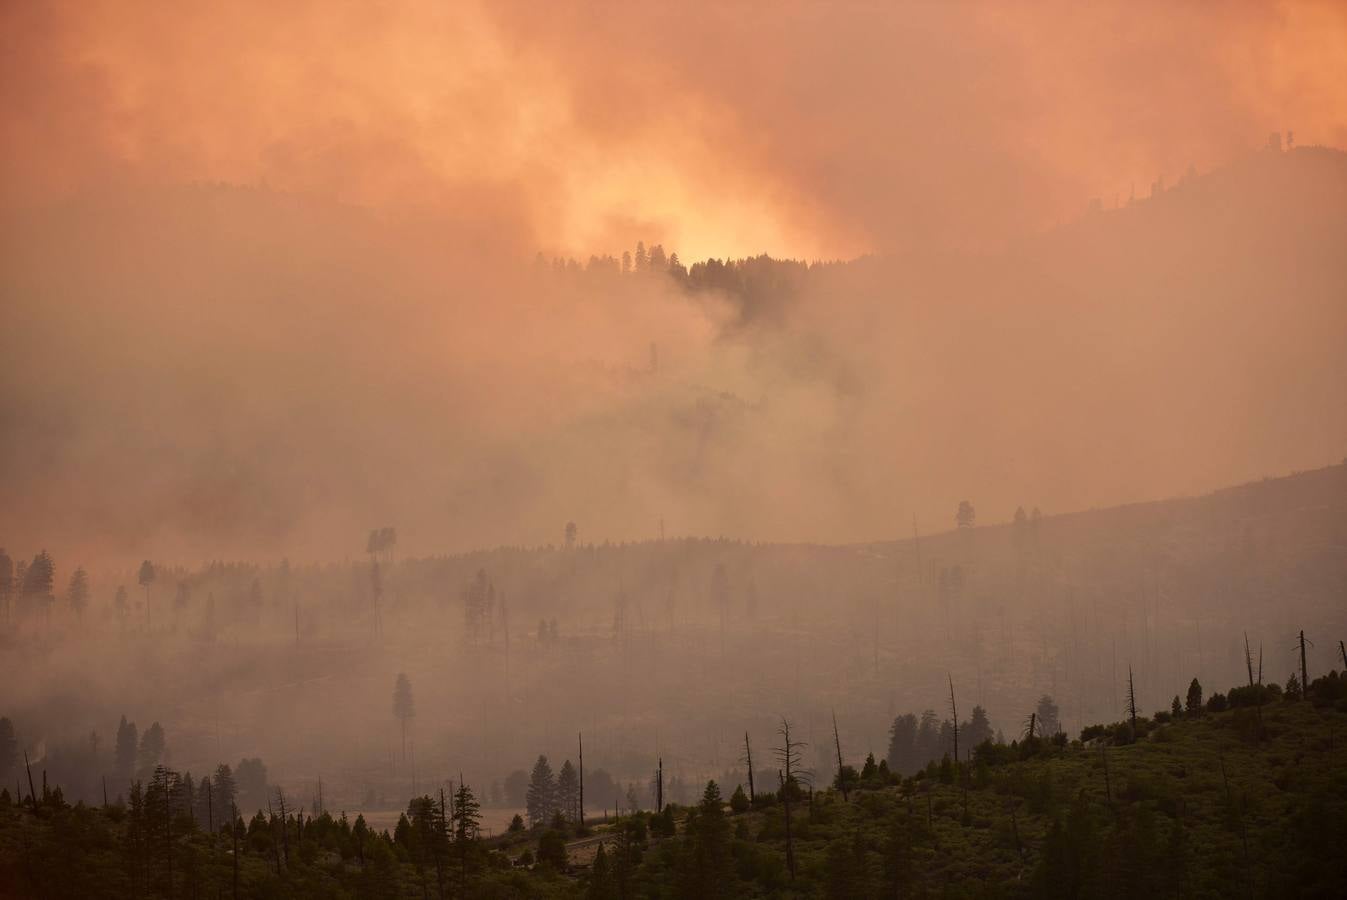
541,800
977,729
568,792
151,751
225,790
39,580
128,742
403,707
1193,704
467,825
145,578
707,871
77,594
1048,721
903,744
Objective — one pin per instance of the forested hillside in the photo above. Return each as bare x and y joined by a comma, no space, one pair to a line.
1242,793
665,650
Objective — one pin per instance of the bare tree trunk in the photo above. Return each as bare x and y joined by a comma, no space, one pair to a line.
285,827
1304,675
841,771
1248,658
581,738
790,844
748,753
1132,702
954,711
32,791
275,845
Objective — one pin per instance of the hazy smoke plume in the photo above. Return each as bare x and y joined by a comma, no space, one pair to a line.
358,336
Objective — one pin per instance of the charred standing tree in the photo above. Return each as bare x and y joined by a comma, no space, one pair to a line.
1304,675
748,760
788,756
32,792
659,786
954,713
403,706
1031,725
1131,703
581,738
1342,648
285,826
1248,658
841,769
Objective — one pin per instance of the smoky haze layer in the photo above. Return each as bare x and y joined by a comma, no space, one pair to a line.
669,649
795,129
266,280
212,372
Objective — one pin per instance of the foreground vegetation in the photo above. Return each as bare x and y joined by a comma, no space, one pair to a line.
1240,794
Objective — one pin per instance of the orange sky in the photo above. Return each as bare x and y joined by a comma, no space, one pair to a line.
798,129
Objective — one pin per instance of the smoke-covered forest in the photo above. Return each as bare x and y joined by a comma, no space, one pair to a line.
514,450
354,686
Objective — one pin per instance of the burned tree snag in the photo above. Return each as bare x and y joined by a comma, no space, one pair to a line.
841,769
748,759
1131,703
954,713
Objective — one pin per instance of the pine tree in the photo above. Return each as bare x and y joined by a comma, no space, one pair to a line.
568,791
1194,702
151,751
77,594
707,870
541,800
1048,721
467,821
128,741
224,788
600,878
403,707
146,578
38,582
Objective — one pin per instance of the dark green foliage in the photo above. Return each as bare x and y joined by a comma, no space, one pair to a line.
542,792
705,868
1195,810
552,849
1194,705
